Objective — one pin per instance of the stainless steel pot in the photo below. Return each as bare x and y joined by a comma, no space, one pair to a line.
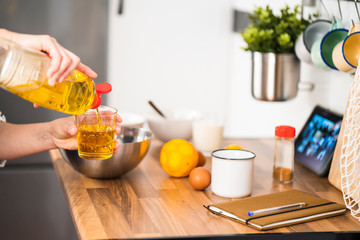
275,76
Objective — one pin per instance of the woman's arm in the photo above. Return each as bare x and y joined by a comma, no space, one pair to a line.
18,140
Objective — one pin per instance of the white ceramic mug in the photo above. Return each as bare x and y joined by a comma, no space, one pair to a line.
232,173
300,50
313,32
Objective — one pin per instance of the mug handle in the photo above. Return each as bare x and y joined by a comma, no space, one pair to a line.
353,29
336,24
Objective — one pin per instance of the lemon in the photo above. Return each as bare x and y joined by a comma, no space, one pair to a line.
233,146
178,157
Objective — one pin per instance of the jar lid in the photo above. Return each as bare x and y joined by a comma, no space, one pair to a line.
285,131
101,88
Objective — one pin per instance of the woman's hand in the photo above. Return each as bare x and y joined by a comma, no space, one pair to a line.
63,62
63,133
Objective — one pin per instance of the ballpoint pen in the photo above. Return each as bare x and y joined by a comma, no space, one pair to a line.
276,209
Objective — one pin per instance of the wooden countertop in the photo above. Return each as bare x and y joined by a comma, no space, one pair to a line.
146,202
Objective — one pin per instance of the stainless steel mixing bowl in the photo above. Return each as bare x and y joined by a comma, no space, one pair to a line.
134,144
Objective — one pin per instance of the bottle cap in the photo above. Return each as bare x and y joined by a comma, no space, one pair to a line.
101,88
285,131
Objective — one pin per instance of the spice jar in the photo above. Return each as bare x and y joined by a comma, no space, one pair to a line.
284,154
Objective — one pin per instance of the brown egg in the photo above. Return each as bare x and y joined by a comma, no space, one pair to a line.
200,178
202,159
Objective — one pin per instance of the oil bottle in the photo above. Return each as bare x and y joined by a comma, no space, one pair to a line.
23,72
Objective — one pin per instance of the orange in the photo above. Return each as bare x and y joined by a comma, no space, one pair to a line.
178,157
233,146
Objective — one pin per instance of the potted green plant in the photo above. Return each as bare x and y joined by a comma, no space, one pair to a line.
271,40
268,32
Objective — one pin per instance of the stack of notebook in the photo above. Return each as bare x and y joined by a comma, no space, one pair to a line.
310,208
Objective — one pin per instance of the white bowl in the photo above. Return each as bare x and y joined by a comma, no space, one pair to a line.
177,124
132,119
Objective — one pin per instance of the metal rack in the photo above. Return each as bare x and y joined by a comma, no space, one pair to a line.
313,2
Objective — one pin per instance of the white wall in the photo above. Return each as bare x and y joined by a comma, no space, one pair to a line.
183,54
175,53
248,117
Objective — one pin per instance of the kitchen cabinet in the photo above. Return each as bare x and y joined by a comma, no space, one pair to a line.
32,204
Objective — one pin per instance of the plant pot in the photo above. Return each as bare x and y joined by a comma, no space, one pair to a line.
274,76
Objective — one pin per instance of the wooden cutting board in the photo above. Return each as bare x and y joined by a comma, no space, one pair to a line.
335,170
335,174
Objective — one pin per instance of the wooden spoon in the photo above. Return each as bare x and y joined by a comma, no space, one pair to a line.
156,109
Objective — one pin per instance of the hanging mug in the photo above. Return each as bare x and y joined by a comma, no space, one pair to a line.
300,50
314,31
348,49
319,51
329,42
351,47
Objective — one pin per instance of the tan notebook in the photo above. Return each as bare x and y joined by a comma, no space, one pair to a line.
315,208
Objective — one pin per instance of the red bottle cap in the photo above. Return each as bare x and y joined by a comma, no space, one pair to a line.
101,88
285,131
